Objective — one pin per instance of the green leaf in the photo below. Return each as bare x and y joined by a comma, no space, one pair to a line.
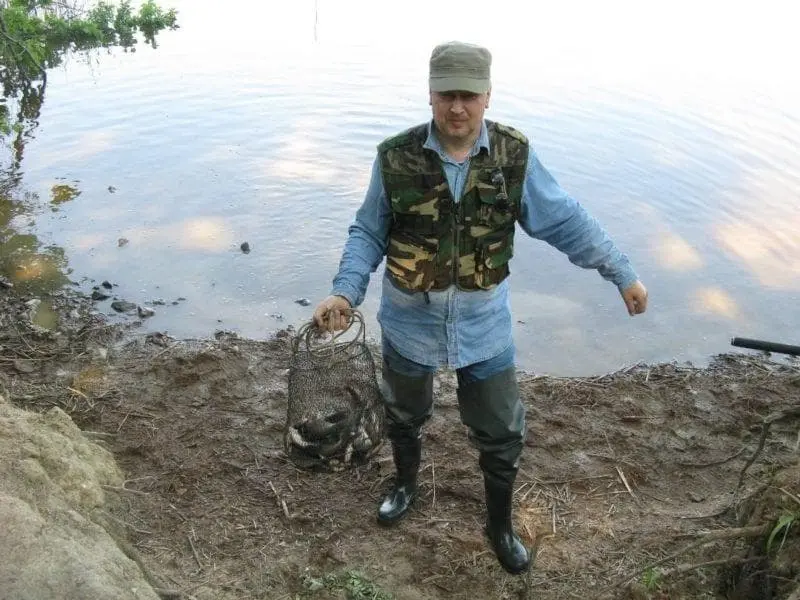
783,524
38,34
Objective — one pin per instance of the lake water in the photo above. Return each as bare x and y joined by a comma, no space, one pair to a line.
676,127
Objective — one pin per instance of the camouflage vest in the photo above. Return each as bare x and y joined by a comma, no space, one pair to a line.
435,242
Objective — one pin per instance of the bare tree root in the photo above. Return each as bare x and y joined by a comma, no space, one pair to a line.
711,536
768,421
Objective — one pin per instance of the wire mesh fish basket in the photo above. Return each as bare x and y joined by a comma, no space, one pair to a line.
335,417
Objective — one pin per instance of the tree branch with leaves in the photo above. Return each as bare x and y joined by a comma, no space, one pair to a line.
36,35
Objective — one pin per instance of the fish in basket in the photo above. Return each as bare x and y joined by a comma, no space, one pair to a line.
335,416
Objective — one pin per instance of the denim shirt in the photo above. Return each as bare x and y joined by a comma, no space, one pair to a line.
456,328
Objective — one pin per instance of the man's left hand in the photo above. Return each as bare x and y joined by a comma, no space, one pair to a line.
635,297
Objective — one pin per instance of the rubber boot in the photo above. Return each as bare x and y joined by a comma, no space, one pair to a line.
407,454
511,553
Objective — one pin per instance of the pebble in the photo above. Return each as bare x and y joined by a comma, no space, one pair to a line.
122,241
145,312
99,296
123,306
303,301
245,247
695,497
24,366
158,338
107,285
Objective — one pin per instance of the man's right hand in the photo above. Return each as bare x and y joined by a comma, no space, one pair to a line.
333,314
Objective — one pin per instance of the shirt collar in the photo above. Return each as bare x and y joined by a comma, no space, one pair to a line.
432,142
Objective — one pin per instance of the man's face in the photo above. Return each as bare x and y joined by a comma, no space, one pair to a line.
458,115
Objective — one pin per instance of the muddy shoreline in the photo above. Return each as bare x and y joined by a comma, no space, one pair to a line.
619,473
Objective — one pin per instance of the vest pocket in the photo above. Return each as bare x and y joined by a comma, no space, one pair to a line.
411,259
493,211
492,254
416,196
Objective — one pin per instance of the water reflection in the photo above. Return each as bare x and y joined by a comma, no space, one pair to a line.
29,264
770,249
763,228
716,301
34,266
677,254
206,234
234,132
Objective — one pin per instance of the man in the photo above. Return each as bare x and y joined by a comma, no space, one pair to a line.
442,206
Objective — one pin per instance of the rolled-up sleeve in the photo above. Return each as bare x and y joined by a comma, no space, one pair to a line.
549,214
366,242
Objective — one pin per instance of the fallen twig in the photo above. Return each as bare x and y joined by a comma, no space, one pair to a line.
625,482
164,351
177,512
24,341
79,393
128,525
433,483
791,495
281,502
686,568
573,480
115,488
194,552
715,462
128,414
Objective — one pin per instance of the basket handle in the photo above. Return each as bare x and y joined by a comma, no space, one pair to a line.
309,332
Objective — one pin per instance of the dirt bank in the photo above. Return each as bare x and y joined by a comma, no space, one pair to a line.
620,472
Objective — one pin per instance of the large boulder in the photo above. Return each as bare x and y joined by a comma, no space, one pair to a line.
52,506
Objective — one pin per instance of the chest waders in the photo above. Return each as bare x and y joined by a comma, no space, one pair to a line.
435,243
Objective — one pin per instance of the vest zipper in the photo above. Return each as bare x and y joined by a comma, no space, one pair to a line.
454,214
456,256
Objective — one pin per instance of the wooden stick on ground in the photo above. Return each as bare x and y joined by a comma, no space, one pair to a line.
194,552
686,568
792,496
625,482
280,501
433,483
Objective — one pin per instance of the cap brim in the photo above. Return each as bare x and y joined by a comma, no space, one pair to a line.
459,84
